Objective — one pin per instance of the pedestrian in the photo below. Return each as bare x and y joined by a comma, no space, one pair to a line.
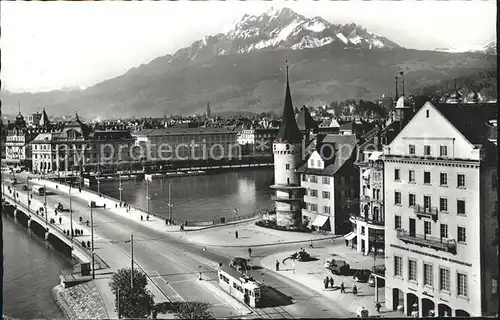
88,243
342,287
87,222
378,306
83,244
142,218
147,217
331,282
166,222
325,282
80,219
277,265
236,234
249,252
104,206
310,243
60,220
55,211
355,290
116,205
347,243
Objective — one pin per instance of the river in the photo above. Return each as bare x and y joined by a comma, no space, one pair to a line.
31,270
203,197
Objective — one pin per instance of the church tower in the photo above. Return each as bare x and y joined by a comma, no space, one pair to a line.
208,113
287,150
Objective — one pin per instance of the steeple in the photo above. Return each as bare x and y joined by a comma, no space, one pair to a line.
209,113
44,121
397,93
289,131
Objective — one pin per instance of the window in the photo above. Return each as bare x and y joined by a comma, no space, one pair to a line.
411,148
411,199
444,279
326,209
444,231
314,179
462,284
460,206
287,147
313,193
397,197
428,274
443,179
494,286
427,177
326,195
326,180
427,202
397,222
287,166
304,178
396,174
427,228
412,270
313,207
318,163
427,150
398,266
312,163
443,204
461,180
411,176
443,151
494,181
461,234
427,113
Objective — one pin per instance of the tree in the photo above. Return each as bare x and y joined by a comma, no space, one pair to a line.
137,302
193,310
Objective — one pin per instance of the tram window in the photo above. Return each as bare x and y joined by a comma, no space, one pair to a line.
257,293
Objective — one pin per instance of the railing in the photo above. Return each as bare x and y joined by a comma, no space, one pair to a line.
368,220
431,212
59,231
447,245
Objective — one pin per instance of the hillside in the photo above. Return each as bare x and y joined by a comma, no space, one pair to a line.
242,70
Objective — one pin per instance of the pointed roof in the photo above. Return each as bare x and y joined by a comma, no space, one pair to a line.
44,121
289,131
305,121
403,103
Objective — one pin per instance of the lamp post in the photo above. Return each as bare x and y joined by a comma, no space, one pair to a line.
70,215
45,205
147,196
120,187
28,192
169,205
131,241
92,241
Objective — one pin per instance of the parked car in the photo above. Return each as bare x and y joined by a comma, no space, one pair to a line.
362,275
238,263
301,256
339,267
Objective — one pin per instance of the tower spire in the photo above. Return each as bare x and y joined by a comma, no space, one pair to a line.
402,76
397,93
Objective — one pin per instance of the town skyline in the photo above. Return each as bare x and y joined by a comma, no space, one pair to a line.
112,45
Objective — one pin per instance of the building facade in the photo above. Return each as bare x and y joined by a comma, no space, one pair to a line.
258,140
440,213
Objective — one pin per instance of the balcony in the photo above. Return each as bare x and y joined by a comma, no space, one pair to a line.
447,245
426,212
368,220
286,199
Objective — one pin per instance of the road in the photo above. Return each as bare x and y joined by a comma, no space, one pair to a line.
174,266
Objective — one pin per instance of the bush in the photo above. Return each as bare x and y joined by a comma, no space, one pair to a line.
271,224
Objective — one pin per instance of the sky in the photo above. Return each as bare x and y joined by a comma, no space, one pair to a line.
53,45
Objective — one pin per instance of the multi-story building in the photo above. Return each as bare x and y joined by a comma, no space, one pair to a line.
369,222
75,146
17,148
287,150
440,181
258,140
171,144
331,183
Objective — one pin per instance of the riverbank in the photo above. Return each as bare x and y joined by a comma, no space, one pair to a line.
82,301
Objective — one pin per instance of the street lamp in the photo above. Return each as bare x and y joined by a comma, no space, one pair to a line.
28,193
92,239
131,241
170,205
120,188
70,215
45,204
147,196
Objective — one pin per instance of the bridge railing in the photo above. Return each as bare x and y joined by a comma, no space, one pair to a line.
54,227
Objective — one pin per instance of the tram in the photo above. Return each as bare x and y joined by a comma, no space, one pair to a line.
240,286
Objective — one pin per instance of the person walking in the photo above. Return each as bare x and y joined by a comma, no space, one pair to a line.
325,282
142,218
236,234
347,243
342,287
88,244
249,252
310,243
378,306
277,265
355,290
60,220
331,282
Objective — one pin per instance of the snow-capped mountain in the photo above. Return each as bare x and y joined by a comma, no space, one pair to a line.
489,48
281,29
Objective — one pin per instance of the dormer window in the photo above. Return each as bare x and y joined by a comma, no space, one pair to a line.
287,147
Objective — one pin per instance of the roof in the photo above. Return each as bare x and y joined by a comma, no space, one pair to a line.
402,103
346,126
289,131
181,131
344,147
334,124
470,119
110,135
304,120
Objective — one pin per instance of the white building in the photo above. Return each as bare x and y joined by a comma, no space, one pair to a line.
287,150
441,221
330,180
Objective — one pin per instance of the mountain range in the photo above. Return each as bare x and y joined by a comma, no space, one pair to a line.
243,70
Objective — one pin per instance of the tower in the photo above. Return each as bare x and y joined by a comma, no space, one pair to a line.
209,113
287,150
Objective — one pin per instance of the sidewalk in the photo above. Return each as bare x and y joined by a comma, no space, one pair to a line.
312,274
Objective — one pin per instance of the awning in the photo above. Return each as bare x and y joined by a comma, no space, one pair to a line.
366,174
375,156
319,221
350,236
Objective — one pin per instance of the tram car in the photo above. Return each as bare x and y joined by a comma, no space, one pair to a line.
242,287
